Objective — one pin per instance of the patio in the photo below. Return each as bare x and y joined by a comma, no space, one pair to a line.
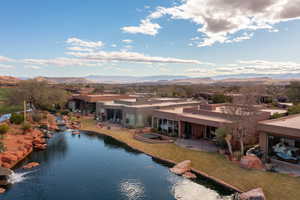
198,145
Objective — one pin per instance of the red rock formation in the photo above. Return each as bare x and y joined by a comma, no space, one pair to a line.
31,165
256,194
189,175
182,167
251,162
2,190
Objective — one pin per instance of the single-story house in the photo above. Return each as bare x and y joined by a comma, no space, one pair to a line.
197,122
86,103
137,113
280,140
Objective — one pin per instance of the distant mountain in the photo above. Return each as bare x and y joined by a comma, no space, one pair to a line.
60,80
238,79
273,76
132,79
8,80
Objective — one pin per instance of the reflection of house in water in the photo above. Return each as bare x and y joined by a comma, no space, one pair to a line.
197,122
86,103
136,112
280,140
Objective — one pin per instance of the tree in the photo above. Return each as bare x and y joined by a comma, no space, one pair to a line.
219,98
294,92
243,115
224,135
4,128
39,94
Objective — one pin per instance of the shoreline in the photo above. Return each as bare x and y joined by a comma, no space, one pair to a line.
199,172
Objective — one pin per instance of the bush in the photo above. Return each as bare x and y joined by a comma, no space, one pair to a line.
26,126
221,134
4,128
2,147
17,118
294,110
277,115
37,117
64,112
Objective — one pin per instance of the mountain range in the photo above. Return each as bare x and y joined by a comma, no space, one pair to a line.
166,79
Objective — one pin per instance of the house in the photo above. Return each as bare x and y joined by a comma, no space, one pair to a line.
137,112
86,104
198,122
280,140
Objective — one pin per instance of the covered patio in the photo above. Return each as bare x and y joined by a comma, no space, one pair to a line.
198,145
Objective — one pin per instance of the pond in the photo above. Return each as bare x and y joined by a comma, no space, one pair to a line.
93,166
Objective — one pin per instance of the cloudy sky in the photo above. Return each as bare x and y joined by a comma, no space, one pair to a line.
149,37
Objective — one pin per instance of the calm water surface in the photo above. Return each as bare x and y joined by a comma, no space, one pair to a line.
98,167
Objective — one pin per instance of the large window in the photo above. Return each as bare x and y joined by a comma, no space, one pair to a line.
284,148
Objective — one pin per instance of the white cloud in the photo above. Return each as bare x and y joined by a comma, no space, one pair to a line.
248,67
61,62
5,59
127,41
223,21
114,45
146,27
81,43
79,49
32,67
126,56
3,66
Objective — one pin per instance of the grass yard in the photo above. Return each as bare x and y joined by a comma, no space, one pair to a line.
275,186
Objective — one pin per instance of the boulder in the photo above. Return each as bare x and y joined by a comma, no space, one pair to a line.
255,194
2,190
182,167
189,175
31,165
251,162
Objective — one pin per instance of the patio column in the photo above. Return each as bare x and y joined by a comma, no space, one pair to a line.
180,129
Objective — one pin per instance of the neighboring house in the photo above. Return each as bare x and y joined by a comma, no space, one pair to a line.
137,113
280,140
197,122
86,104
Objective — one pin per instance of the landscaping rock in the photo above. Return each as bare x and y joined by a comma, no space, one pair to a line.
31,165
182,167
189,175
2,190
251,162
255,194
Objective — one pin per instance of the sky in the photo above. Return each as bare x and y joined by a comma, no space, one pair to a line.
198,38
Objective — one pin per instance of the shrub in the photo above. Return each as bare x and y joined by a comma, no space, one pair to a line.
4,128
294,109
2,147
37,117
277,115
26,126
221,134
64,112
17,118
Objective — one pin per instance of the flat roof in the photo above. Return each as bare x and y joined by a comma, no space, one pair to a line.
292,121
179,111
149,105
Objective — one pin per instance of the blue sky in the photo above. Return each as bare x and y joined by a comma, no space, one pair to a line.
147,37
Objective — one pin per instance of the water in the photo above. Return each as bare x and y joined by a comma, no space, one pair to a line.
92,166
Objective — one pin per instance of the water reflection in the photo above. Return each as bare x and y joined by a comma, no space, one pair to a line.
99,167
133,189
111,143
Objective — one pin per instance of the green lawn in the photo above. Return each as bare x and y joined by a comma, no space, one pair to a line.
276,186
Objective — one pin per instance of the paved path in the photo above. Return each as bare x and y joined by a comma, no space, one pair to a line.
199,145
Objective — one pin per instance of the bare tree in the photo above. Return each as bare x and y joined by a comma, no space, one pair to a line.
243,112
